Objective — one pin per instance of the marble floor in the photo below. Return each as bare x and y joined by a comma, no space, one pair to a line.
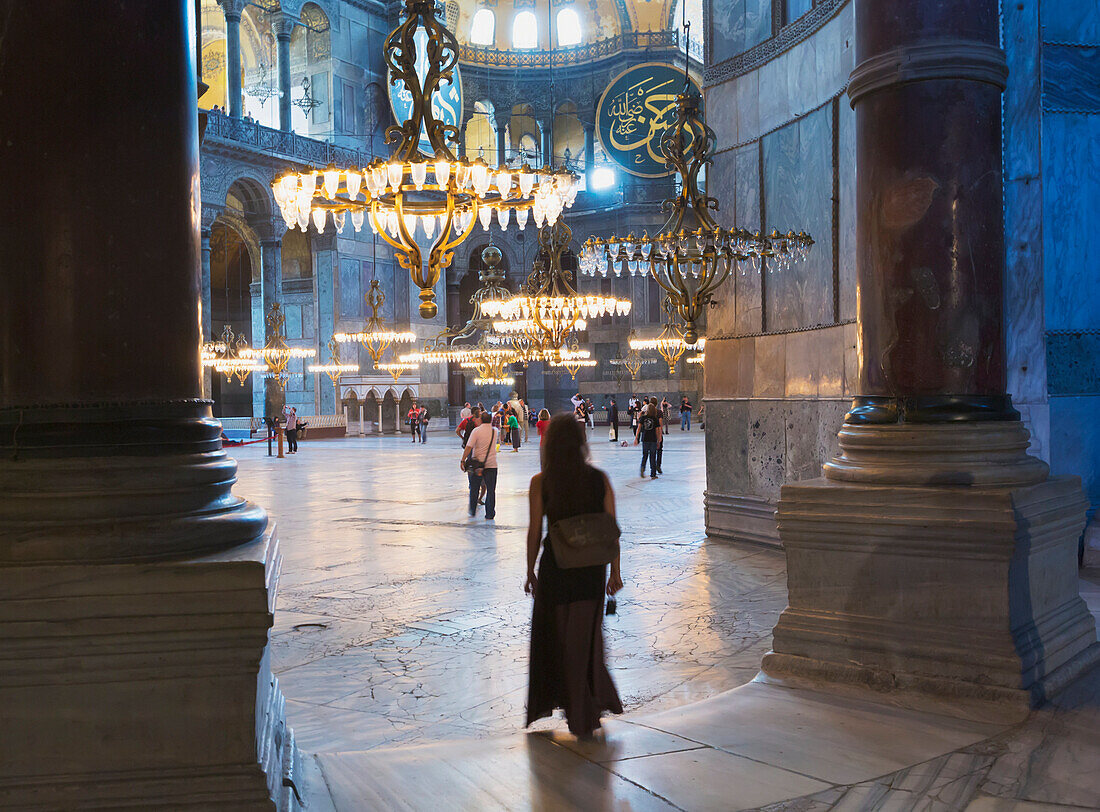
400,644
400,620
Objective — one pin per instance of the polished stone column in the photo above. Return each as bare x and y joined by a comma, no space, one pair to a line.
135,589
502,146
270,279
589,153
930,258
936,555
233,10
548,142
283,25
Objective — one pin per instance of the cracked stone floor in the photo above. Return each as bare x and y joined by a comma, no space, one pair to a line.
399,620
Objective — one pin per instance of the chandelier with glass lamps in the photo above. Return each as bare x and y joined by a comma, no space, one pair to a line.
671,343
412,196
692,255
276,352
231,354
397,368
375,337
334,368
553,310
573,360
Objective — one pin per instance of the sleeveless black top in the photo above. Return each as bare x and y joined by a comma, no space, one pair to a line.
558,585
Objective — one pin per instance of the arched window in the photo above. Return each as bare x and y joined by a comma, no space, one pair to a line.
525,30
483,28
569,27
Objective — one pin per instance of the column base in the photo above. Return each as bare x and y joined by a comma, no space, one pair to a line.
144,685
961,592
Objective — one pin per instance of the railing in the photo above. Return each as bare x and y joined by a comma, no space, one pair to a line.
324,421
284,144
631,41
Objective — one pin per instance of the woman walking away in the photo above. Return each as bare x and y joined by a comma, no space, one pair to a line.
649,435
567,668
542,425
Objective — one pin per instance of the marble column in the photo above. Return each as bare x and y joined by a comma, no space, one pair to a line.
283,25
502,146
121,542
205,304
270,279
936,555
548,142
233,10
589,153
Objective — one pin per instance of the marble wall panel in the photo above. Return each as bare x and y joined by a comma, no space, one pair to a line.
309,327
1071,204
748,106
722,368
798,195
1075,441
846,231
770,366
349,304
1068,22
736,26
767,447
721,184
802,459
830,364
746,366
746,202
850,337
803,362
727,444
775,102
1073,363
722,114
293,315
1070,74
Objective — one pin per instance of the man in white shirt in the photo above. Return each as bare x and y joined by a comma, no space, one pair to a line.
479,461
462,415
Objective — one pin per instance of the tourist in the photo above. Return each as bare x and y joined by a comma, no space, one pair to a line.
567,667
580,414
466,412
424,417
613,420
589,413
498,421
649,435
685,414
664,413
413,419
513,430
467,425
291,430
542,424
520,408
703,416
479,461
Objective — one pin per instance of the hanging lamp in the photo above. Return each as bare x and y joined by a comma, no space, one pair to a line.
335,368
375,337
692,255
413,197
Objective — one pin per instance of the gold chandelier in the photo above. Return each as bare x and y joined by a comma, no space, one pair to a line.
397,368
414,196
552,311
376,337
697,359
633,362
276,352
334,368
573,359
231,354
671,343
689,264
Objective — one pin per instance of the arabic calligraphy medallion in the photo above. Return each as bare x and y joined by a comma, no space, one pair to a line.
634,112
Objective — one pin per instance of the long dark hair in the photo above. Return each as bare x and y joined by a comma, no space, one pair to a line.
564,460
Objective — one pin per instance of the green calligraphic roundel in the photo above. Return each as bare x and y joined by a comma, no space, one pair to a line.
635,111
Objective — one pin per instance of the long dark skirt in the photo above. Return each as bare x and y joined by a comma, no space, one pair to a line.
567,652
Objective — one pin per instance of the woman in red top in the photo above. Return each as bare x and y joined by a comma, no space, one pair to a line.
542,424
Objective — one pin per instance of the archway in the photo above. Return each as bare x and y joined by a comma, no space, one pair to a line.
371,416
350,406
231,271
481,133
403,408
389,413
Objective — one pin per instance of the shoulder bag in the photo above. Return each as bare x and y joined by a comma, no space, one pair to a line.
586,540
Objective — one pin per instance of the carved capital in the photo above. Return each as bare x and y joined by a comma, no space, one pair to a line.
209,215
282,24
233,8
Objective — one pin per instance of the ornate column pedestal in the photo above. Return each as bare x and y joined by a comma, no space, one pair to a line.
935,558
136,591
935,555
